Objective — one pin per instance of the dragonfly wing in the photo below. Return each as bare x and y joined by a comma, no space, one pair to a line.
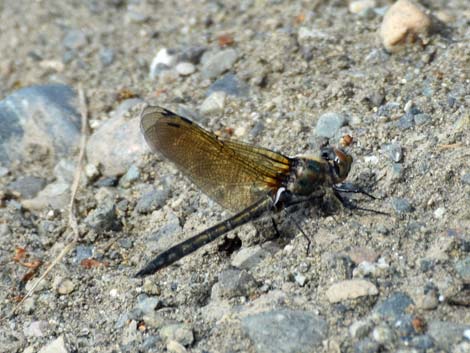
233,174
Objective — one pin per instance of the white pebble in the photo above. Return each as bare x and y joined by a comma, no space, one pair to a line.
360,6
185,69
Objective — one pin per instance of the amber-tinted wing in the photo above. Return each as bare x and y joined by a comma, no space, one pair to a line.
232,173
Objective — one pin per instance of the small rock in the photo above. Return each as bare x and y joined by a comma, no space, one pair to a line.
403,22
405,122
5,230
44,116
103,218
300,279
231,85
214,104
55,195
329,123
192,54
428,299
439,212
83,252
248,258
122,131
361,6
4,171
66,287
394,152
36,329
27,187
394,306
152,200
463,269
135,15
132,174
350,289
285,330
185,68
360,329
175,347
164,59
75,39
465,179
361,254
215,64
421,119
107,56
423,342
234,283
92,172
147,305
56,346
180,333
401,205
64,171
130,333
367,345
383,334
446,334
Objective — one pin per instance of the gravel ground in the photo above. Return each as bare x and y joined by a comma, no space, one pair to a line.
279,74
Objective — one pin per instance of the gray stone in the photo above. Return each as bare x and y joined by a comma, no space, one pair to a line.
107,56
121,131
55,195
56,346
5,230
446,334
215,64
248,258
401,205
180,333
147,305
213,104
285,331
4,171
405,122
83,252
366,346
384,335
27,187
234,283
465,179
329,124
152,200
231,85
43,115
75,39
191,54
421,119
360,329
394,152
132,174
130,333
185,68
64,171
36,329
394,306
463,269
103,218
423,342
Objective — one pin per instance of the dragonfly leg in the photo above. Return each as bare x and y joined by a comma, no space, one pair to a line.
309,241
276,229
353,190
351,206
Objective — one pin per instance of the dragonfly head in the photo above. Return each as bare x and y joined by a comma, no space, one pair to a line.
339,162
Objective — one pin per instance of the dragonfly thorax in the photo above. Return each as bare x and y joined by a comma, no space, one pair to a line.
309,175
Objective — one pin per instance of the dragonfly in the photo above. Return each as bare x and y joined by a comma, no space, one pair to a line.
248,180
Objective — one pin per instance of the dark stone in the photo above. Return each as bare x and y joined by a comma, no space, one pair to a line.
151,200
394,306
104,217
401,205
231,85
27,186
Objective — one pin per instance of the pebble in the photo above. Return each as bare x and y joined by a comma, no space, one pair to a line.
5,230
43,115
36,329
191,54
83,252
55,195
361,6
423,342
428,299
393,151
445,333
130,333
361,254
465,179
405,122
249,257
107,56
350,289
213,104
300,279
65,287
103,218
367,345
147,305
463,269
401,205
329,124
180,333
360,329
439,212
383,334
92,172
231,85
164,59
132,174
185,68
75,39
421,119
175,347
27,186
394,306
4,171
120,130
234,283
56,346
285,330
64,170
216,63
152,200
403,22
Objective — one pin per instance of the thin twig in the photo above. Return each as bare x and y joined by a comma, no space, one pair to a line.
76,181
